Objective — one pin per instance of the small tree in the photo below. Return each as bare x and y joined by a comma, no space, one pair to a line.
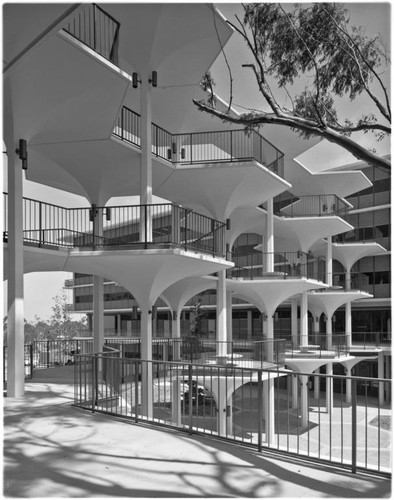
197,314
60,323
315,44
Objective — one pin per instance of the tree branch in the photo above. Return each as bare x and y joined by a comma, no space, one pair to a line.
354,47
304,125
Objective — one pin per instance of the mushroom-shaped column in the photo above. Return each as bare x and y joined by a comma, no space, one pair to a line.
179,293
146,274
328,301
348,364
348,254
303,366
267,294
301,233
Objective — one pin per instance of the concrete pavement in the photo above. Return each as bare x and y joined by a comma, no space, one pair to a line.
53,450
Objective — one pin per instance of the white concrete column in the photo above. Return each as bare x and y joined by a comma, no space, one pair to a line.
316,329
269,237
249,320
229,319
269,410
329,389
348,324
264,317
154,321
294,322
146,160
316,384
176,334
222,406
304,320
329,332
270,337
146,368
381,375
98,314
176,401
15,295
329,261
304,400
294,391
348,373
221,315
98,292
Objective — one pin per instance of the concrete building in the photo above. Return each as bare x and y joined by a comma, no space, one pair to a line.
99,103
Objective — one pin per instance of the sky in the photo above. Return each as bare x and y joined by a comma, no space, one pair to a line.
40,288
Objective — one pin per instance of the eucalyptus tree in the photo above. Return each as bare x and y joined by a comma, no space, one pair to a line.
315,43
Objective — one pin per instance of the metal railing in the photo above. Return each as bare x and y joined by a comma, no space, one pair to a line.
201,147
28,362
326,418
45,224
289,205
356,281
318,346
198,350
366,340
97,29
286,265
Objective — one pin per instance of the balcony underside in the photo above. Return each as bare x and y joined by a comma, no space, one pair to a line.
64,92
129,268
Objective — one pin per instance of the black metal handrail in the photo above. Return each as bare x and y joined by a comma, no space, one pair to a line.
289,205
353,281
201,147
185,398
286,265
126,225
318,346
200,350
97,29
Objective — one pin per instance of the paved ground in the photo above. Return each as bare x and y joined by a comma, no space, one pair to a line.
54,450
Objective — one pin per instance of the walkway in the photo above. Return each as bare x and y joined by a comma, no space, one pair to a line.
54,450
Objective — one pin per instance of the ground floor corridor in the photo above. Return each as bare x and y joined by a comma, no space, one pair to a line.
52,449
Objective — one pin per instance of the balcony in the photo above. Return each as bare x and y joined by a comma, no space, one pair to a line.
201,147
97,30
286,265
355,281
288,205
133,226
318,347
244,354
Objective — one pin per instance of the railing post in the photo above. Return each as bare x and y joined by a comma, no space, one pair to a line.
94,381
231,145
190,399
136,373
260,411
94,27
354,425
186,216
145,226
31,360
40,241
191,148
47,353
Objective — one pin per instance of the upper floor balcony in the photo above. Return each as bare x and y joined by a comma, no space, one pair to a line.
286,265
322,205
201,147
97,29
133,226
